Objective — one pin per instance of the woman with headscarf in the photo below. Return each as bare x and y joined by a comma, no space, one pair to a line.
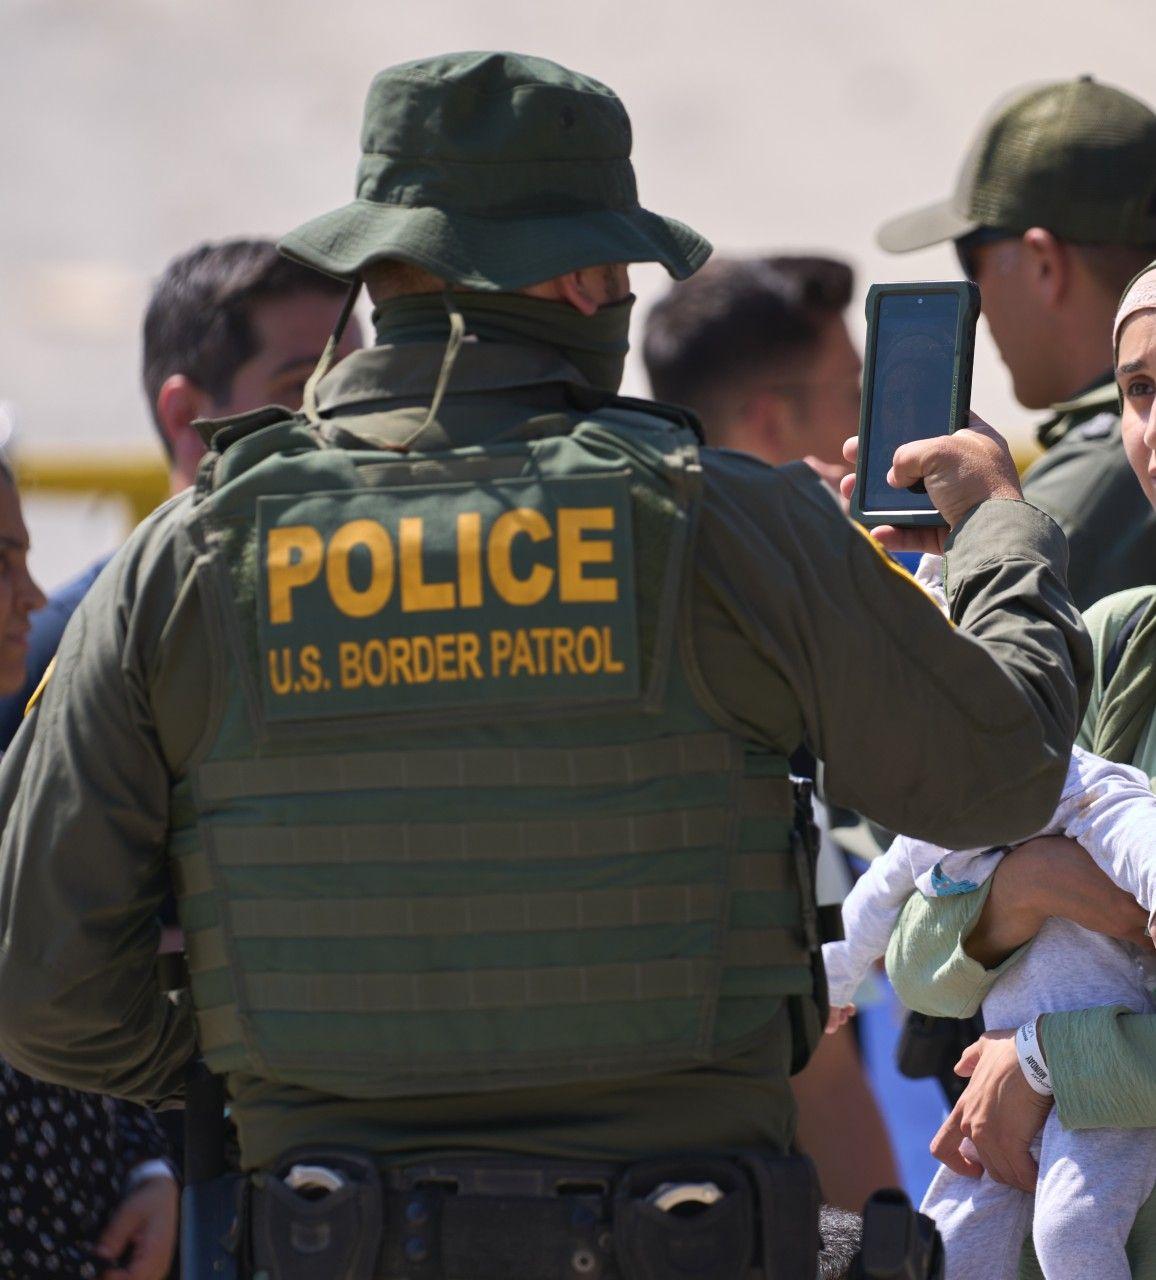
1101,1061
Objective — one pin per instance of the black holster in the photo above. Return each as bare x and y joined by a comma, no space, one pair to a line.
768,1219
930,1048
898,1242
335,1235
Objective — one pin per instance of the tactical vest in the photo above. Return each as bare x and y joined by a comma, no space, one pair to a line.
465,819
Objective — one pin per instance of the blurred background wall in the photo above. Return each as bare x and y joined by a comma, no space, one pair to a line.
133,129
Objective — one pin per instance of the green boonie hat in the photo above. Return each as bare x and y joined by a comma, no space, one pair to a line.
1078,158
494,171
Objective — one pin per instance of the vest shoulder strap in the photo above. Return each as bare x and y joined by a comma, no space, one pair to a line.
594,399
219,433
238,443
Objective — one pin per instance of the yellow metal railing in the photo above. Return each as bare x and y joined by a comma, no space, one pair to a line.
141,481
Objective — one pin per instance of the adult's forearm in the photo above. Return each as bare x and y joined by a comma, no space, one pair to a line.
1102,1066
926,960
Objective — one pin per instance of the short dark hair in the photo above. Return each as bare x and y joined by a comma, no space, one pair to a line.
199,318
736,317
1113,265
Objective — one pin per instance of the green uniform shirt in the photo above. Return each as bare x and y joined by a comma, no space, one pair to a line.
1085,484
802,628
1101,1060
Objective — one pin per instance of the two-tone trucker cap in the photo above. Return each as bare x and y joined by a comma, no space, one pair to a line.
1078,158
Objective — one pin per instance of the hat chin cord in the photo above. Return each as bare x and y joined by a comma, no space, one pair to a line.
453,346
309,395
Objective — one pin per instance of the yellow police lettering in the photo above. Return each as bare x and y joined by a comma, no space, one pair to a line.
281,671
349,665
422,656
563,658
470,559
610,664
589,650
508,526
469,647
417,595
541,638
501,646
374,663
399,659
312,672
368,602
523,657
292,559
576,551
445,651
364,602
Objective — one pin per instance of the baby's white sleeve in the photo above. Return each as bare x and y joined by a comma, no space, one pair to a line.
870,911
1113,815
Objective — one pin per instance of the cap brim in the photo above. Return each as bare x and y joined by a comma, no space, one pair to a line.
923,228
491,253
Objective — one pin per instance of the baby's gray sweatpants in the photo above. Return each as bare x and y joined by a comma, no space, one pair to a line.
1091,1182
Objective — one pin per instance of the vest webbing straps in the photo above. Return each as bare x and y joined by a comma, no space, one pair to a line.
525,841
501,766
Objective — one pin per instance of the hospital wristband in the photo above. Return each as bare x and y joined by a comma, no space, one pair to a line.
1031,1058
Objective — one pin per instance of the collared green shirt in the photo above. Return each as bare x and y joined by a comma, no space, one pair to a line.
1084,482
802,629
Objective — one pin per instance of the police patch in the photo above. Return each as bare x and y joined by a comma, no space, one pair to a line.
387,600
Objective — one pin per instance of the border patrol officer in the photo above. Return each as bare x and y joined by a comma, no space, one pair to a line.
1053,213
459,706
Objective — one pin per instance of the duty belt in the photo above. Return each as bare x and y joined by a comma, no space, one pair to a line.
333,1214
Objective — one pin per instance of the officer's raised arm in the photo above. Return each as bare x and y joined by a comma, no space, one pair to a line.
953,731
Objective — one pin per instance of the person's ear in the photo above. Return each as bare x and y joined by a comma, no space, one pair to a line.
179,403
1049,264
584,289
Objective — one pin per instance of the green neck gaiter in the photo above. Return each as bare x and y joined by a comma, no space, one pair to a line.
595,345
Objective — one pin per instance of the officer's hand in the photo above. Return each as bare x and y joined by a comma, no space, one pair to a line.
144,1228
960,471
1051,876
999,1111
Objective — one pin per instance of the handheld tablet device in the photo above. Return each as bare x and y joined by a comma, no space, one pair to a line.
916,384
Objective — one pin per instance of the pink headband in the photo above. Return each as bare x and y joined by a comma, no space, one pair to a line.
1139,296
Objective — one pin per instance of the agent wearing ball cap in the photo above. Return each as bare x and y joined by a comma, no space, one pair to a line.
459,706
1054,210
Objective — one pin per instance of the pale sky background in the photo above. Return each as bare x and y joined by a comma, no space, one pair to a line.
133,129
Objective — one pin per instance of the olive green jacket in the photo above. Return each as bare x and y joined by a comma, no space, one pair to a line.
1102,1059
1085,484
802,629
